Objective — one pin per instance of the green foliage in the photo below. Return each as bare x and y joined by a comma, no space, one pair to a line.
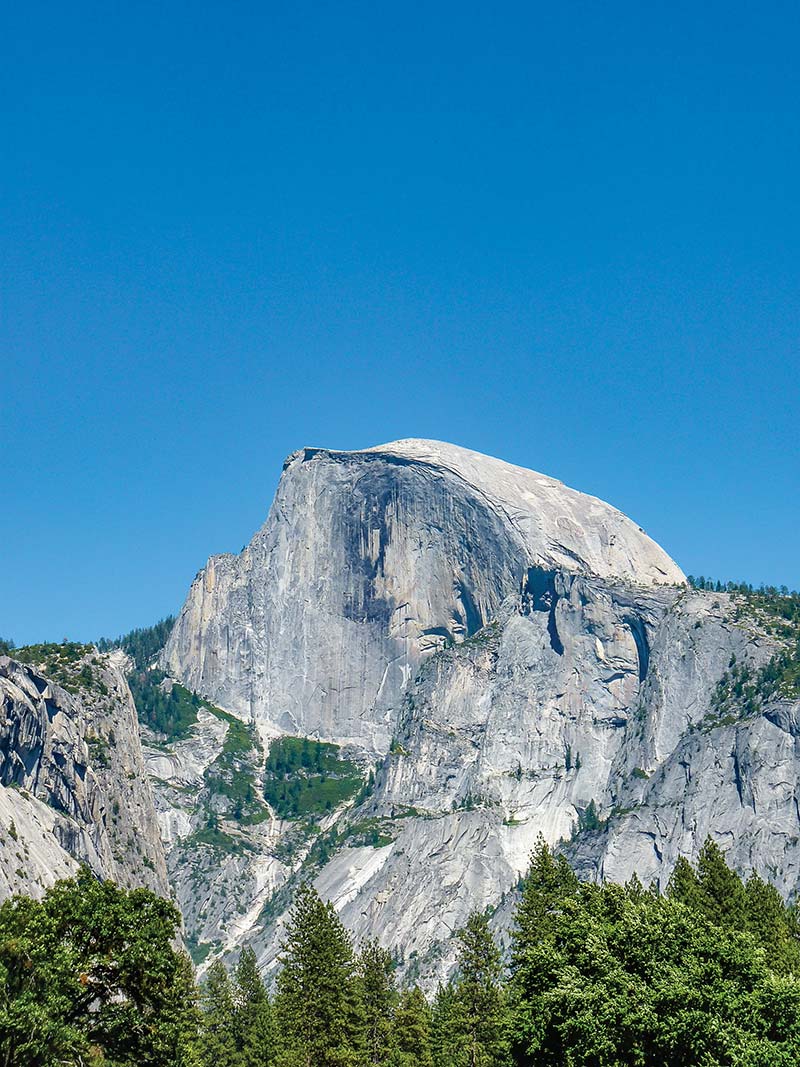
71,665
683,884
99,748
618,975
375,831
635,980
412,1031
252,1013
89,974
317,1002
477,1030
6,646
718,894
142,645
232,774
218,1034
588,820
169,709
304,777
442,1025
216,838
743,689
378,995
199,951
600,976
236,1025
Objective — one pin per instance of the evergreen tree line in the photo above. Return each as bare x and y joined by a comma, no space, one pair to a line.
706,973
171,711
712,585
142,644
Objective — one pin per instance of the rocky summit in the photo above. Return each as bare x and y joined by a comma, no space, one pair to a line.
424,659
371,561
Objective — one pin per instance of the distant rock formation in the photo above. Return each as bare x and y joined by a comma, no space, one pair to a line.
73,786
368,562
501,655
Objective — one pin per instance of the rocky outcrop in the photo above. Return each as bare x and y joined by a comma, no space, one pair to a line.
585,713
222,858
73,786
522,659
368,562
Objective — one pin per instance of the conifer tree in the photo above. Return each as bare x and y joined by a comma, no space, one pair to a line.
253,1015
773,925
218,1038
316,1006
378,1000
443,1026
550,880
721,896
682,883
479,1021
412,1031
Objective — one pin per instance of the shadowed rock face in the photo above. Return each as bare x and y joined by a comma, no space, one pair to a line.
530,652
73,782
533,655
368,562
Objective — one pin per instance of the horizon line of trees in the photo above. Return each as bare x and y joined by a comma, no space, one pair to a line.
713,585
707,972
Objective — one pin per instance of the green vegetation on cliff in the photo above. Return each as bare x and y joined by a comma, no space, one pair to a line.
143,644
71,665
304,777
166,707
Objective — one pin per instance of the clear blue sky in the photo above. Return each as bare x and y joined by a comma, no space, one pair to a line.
563,234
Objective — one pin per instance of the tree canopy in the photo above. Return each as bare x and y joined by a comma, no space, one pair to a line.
707,973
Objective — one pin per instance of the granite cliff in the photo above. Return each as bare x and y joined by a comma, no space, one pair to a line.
519,657
424,658
368,562
73,785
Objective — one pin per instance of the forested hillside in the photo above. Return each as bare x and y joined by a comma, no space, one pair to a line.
598,975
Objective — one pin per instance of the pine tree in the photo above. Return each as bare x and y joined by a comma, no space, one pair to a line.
683,884
443,1037
412,1031
378,1001
773,925
479,1008
253,1015
316,1007
550,880
721,896
218,1039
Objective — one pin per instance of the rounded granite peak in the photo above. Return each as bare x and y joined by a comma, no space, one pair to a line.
559,527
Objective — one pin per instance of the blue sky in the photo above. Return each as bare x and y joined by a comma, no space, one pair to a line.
565,235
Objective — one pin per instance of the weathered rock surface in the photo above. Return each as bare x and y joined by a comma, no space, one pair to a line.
223,851
518,657
583,691
370,560
73,786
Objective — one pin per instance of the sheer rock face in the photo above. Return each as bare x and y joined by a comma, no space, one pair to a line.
368,562
73,782
539,662
583,691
